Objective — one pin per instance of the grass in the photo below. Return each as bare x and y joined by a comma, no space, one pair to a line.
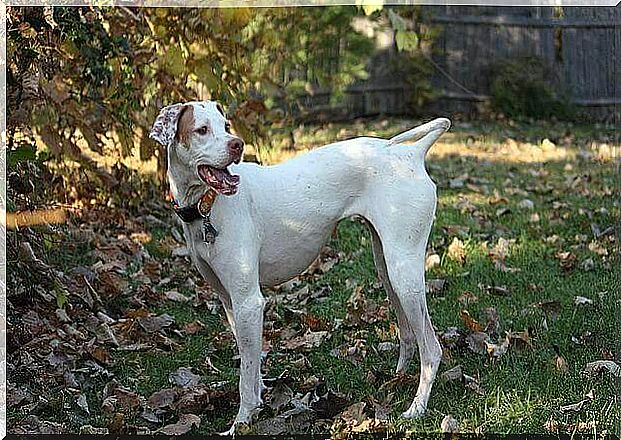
501,165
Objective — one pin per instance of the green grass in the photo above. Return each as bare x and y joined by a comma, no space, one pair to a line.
523,389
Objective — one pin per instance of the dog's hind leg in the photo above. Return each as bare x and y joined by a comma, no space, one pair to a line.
406,272
402,216
406,334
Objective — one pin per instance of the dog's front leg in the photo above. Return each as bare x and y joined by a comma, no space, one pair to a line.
247,313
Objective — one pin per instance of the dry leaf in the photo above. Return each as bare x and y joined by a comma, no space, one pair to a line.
193,327
153,324
477,342
307,341
184,378
520,340
449,425
457,251
432,261
163,398
567,260
551,308
581,301
470,322
175,296
561,364
495,350
183,426
597,367
467,298
435,286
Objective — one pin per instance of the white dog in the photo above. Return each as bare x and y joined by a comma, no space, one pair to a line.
264,225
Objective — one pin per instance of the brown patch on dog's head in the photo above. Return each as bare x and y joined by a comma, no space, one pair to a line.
185,126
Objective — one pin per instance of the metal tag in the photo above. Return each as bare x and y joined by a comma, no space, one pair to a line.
209,232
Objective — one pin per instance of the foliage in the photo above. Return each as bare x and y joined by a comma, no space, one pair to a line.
414,41
98,76
521,88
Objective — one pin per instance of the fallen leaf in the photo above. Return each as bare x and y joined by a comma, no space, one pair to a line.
457,251
567,260
449,425
500,251
432,261
83,404
383,347
581,301
175,296
470,323
154,324
587,265
354,413
477,342
520,340
555,426
597,367
496,350
574,407
183,426
467,297
307,341
92,430
163,398
117,397
502,211
198,399
453,338
561,364
435,286
457,374
355,353
551,308
191,328
184,378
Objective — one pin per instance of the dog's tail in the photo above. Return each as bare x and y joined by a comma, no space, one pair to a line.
423,136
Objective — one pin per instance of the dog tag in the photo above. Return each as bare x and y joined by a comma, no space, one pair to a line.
209,232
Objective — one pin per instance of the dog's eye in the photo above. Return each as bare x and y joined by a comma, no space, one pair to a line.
227,127
202,130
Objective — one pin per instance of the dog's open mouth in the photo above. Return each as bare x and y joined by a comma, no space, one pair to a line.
221,180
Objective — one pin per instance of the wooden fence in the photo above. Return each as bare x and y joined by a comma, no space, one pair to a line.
581,47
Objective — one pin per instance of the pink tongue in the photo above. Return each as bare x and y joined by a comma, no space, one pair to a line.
220,180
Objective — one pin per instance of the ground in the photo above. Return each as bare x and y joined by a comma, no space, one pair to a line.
524,293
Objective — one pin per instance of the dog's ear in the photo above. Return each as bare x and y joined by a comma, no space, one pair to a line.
165,125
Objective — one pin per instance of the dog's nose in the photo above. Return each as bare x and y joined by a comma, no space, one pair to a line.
236,146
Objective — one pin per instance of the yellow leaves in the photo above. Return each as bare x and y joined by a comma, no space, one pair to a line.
370,7
457,251
500,251
567,260
561,364
173,60
406,40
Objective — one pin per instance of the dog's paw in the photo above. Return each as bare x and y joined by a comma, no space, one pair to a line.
417,409
238,428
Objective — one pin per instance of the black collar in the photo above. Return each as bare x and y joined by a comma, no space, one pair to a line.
196,211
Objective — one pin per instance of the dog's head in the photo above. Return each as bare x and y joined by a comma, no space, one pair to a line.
197,135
